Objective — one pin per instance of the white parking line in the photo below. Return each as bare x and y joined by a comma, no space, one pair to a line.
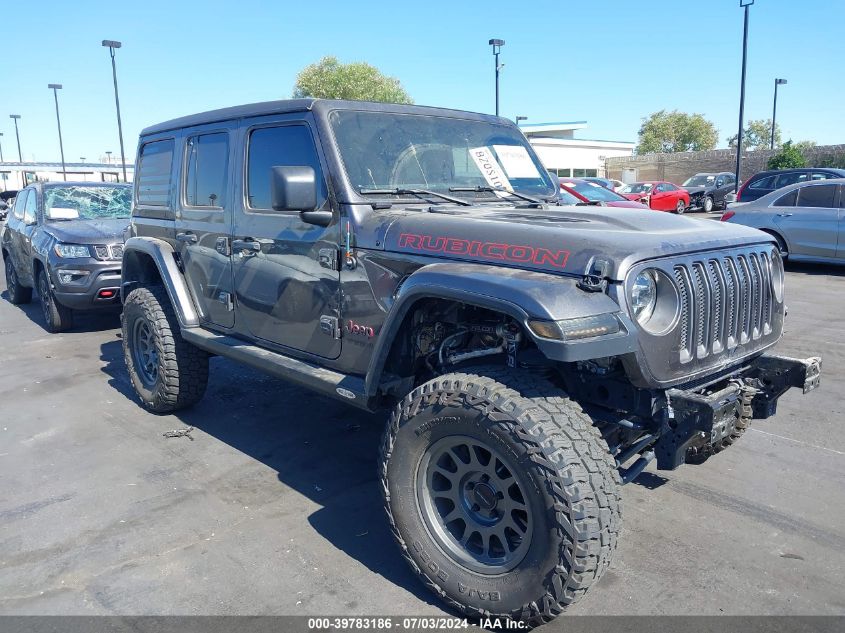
789,439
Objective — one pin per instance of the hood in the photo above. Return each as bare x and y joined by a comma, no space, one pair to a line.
697,189
106,231
560,240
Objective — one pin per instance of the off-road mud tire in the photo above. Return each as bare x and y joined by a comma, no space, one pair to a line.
575,488
181,369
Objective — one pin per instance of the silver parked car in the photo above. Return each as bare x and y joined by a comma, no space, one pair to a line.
807,219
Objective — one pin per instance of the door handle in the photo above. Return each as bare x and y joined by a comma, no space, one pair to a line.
187,238
246,245
784,215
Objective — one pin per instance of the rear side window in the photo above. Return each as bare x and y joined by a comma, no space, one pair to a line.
20,201
289,145
207,173
789,179
154,168
766,182
787,200
817,196
820,176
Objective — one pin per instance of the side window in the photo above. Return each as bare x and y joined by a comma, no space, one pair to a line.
818,176
660,188
788,179
767,182
817,196
206,174
669,187
154,166
269,147
842,196
787,200
20,201
30,208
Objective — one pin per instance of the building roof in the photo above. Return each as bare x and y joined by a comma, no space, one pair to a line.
37,166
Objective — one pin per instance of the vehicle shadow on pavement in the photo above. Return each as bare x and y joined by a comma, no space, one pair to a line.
83,322
320,448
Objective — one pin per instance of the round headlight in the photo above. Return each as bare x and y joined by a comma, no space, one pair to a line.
644,296
654,301
777,276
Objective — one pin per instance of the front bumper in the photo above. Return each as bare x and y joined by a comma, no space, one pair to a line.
98,285
702,417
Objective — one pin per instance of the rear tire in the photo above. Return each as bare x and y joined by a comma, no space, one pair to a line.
57,318
680,207
17,294
528,519
167,372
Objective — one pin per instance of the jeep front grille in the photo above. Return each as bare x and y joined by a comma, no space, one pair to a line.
725,301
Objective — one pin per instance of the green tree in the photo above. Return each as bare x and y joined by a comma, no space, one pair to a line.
329,79
788,157
676,132
757,134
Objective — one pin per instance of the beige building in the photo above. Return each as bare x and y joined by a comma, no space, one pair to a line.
564,155
16,176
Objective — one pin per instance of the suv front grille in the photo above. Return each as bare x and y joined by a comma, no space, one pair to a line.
114,251
725,301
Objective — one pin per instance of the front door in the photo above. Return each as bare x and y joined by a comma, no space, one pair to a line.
204,220
811,226
285,270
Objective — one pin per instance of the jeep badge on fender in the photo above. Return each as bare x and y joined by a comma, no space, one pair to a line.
533,357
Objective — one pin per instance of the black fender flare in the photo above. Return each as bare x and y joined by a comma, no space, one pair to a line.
520,294
163,256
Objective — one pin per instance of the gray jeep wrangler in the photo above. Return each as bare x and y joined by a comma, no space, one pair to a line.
533,357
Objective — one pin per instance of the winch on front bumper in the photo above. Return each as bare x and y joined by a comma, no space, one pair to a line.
704,417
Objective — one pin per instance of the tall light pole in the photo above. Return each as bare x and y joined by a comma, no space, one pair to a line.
108,157
17,135
778,82
112,45
1,148
497,47
520,118
745,4
55,88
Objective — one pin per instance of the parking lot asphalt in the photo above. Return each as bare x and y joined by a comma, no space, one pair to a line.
273,506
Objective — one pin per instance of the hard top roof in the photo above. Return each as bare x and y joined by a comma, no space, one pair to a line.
321,106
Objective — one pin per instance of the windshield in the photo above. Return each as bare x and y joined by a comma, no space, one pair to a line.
593,191
637,187
567,198
87,203
701,180
384,150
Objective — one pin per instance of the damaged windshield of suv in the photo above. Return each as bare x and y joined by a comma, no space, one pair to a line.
87,203
389,151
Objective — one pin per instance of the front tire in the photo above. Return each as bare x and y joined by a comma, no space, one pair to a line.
57,318
708,204
502,495
17,293
167,372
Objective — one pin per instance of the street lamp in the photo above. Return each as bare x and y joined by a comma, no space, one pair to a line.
520,118
55,88
112,45
497,47
17,135
778,82
108,157
1,148
743,4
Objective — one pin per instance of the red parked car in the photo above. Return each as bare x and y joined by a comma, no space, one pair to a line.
658,195
587,191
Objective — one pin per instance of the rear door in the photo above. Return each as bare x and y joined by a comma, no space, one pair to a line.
12,234
204,219
30,220
840,243
658,197
811,227
285,270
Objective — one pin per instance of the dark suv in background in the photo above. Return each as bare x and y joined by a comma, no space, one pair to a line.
768,181
708,190
66,239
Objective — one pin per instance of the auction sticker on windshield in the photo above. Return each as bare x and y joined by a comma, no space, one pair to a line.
516,161
490,168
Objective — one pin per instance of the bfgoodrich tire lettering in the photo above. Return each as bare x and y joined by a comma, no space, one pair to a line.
570,480
176,374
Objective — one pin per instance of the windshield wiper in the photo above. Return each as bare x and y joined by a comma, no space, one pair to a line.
419,193
480,189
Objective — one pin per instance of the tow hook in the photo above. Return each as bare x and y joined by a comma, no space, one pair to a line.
595,280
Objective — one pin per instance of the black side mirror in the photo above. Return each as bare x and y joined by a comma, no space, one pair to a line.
294,188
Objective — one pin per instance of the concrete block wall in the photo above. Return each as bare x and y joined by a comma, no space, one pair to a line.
679,166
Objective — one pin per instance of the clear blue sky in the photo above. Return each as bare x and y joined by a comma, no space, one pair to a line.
610,62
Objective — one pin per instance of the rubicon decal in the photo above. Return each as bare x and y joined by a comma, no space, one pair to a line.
515,253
